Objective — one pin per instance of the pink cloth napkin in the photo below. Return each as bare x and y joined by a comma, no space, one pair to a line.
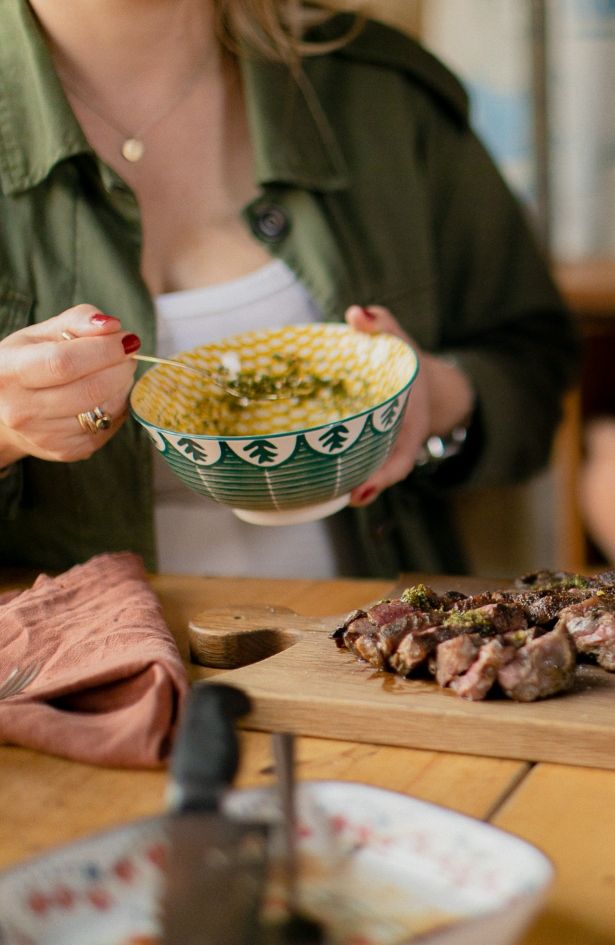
112,682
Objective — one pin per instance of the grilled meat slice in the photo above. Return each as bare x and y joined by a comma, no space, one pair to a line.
496,616
526,638
359,635
478,679
543,667
552,581
454,657
475,601
419,645
542,608
375,634
354,624
391,635
591,625
605,578
366,649
415,648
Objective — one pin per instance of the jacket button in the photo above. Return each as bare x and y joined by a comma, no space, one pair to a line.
270,222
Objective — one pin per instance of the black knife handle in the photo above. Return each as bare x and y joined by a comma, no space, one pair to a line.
205,756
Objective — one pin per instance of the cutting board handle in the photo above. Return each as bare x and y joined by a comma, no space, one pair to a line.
226,638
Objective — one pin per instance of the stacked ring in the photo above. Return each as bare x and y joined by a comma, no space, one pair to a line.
91,421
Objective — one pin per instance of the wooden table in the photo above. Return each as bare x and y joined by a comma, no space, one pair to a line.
568,812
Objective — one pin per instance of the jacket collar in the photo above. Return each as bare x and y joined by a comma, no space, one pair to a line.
292,138
37,126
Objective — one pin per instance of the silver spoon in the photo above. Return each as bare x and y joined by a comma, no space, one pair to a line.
243,398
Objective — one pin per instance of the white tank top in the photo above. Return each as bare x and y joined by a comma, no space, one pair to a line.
196,535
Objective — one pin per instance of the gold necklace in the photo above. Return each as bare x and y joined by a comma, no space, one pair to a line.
132,147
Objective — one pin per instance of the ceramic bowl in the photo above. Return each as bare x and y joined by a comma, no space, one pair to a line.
377,867
290,460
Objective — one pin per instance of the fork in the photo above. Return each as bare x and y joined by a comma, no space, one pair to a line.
18,679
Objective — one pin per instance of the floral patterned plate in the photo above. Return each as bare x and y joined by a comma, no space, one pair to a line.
377,867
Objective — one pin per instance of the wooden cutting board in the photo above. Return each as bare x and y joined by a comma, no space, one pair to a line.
299,681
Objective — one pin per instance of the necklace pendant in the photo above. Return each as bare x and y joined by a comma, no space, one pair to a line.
132,150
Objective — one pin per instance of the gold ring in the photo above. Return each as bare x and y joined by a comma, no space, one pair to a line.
103,420
68,335
87,421
91,421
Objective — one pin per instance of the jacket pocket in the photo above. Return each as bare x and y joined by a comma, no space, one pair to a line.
15,309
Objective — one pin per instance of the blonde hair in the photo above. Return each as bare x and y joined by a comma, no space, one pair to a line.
274,29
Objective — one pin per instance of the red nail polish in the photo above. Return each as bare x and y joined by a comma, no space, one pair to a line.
368,493
100,320
367,312
131,343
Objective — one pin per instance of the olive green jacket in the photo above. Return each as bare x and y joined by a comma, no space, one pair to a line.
373,190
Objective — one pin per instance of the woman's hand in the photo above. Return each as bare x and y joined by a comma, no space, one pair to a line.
441,397
45,381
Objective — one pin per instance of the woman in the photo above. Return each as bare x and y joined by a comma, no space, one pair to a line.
161,154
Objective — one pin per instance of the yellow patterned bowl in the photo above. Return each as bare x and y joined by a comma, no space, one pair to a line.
290,460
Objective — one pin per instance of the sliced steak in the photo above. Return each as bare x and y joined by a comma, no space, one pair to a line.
415,648
366,648
545,608
451,597
356,623
375,635
528,637
591,624
606,578
475,601
552,581
491,618
544,666
454,657
360,636
476,682
392,635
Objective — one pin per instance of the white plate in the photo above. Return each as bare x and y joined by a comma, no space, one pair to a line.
380,867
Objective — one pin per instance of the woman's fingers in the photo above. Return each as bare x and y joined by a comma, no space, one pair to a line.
73,345
416,423
48,364
65,441
414,431
80,320
28,431
107,389
375,318
51,372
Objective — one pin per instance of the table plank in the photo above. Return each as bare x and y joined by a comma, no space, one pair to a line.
569,813
46,801
465,783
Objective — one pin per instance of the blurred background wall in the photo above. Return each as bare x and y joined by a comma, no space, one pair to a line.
541,79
